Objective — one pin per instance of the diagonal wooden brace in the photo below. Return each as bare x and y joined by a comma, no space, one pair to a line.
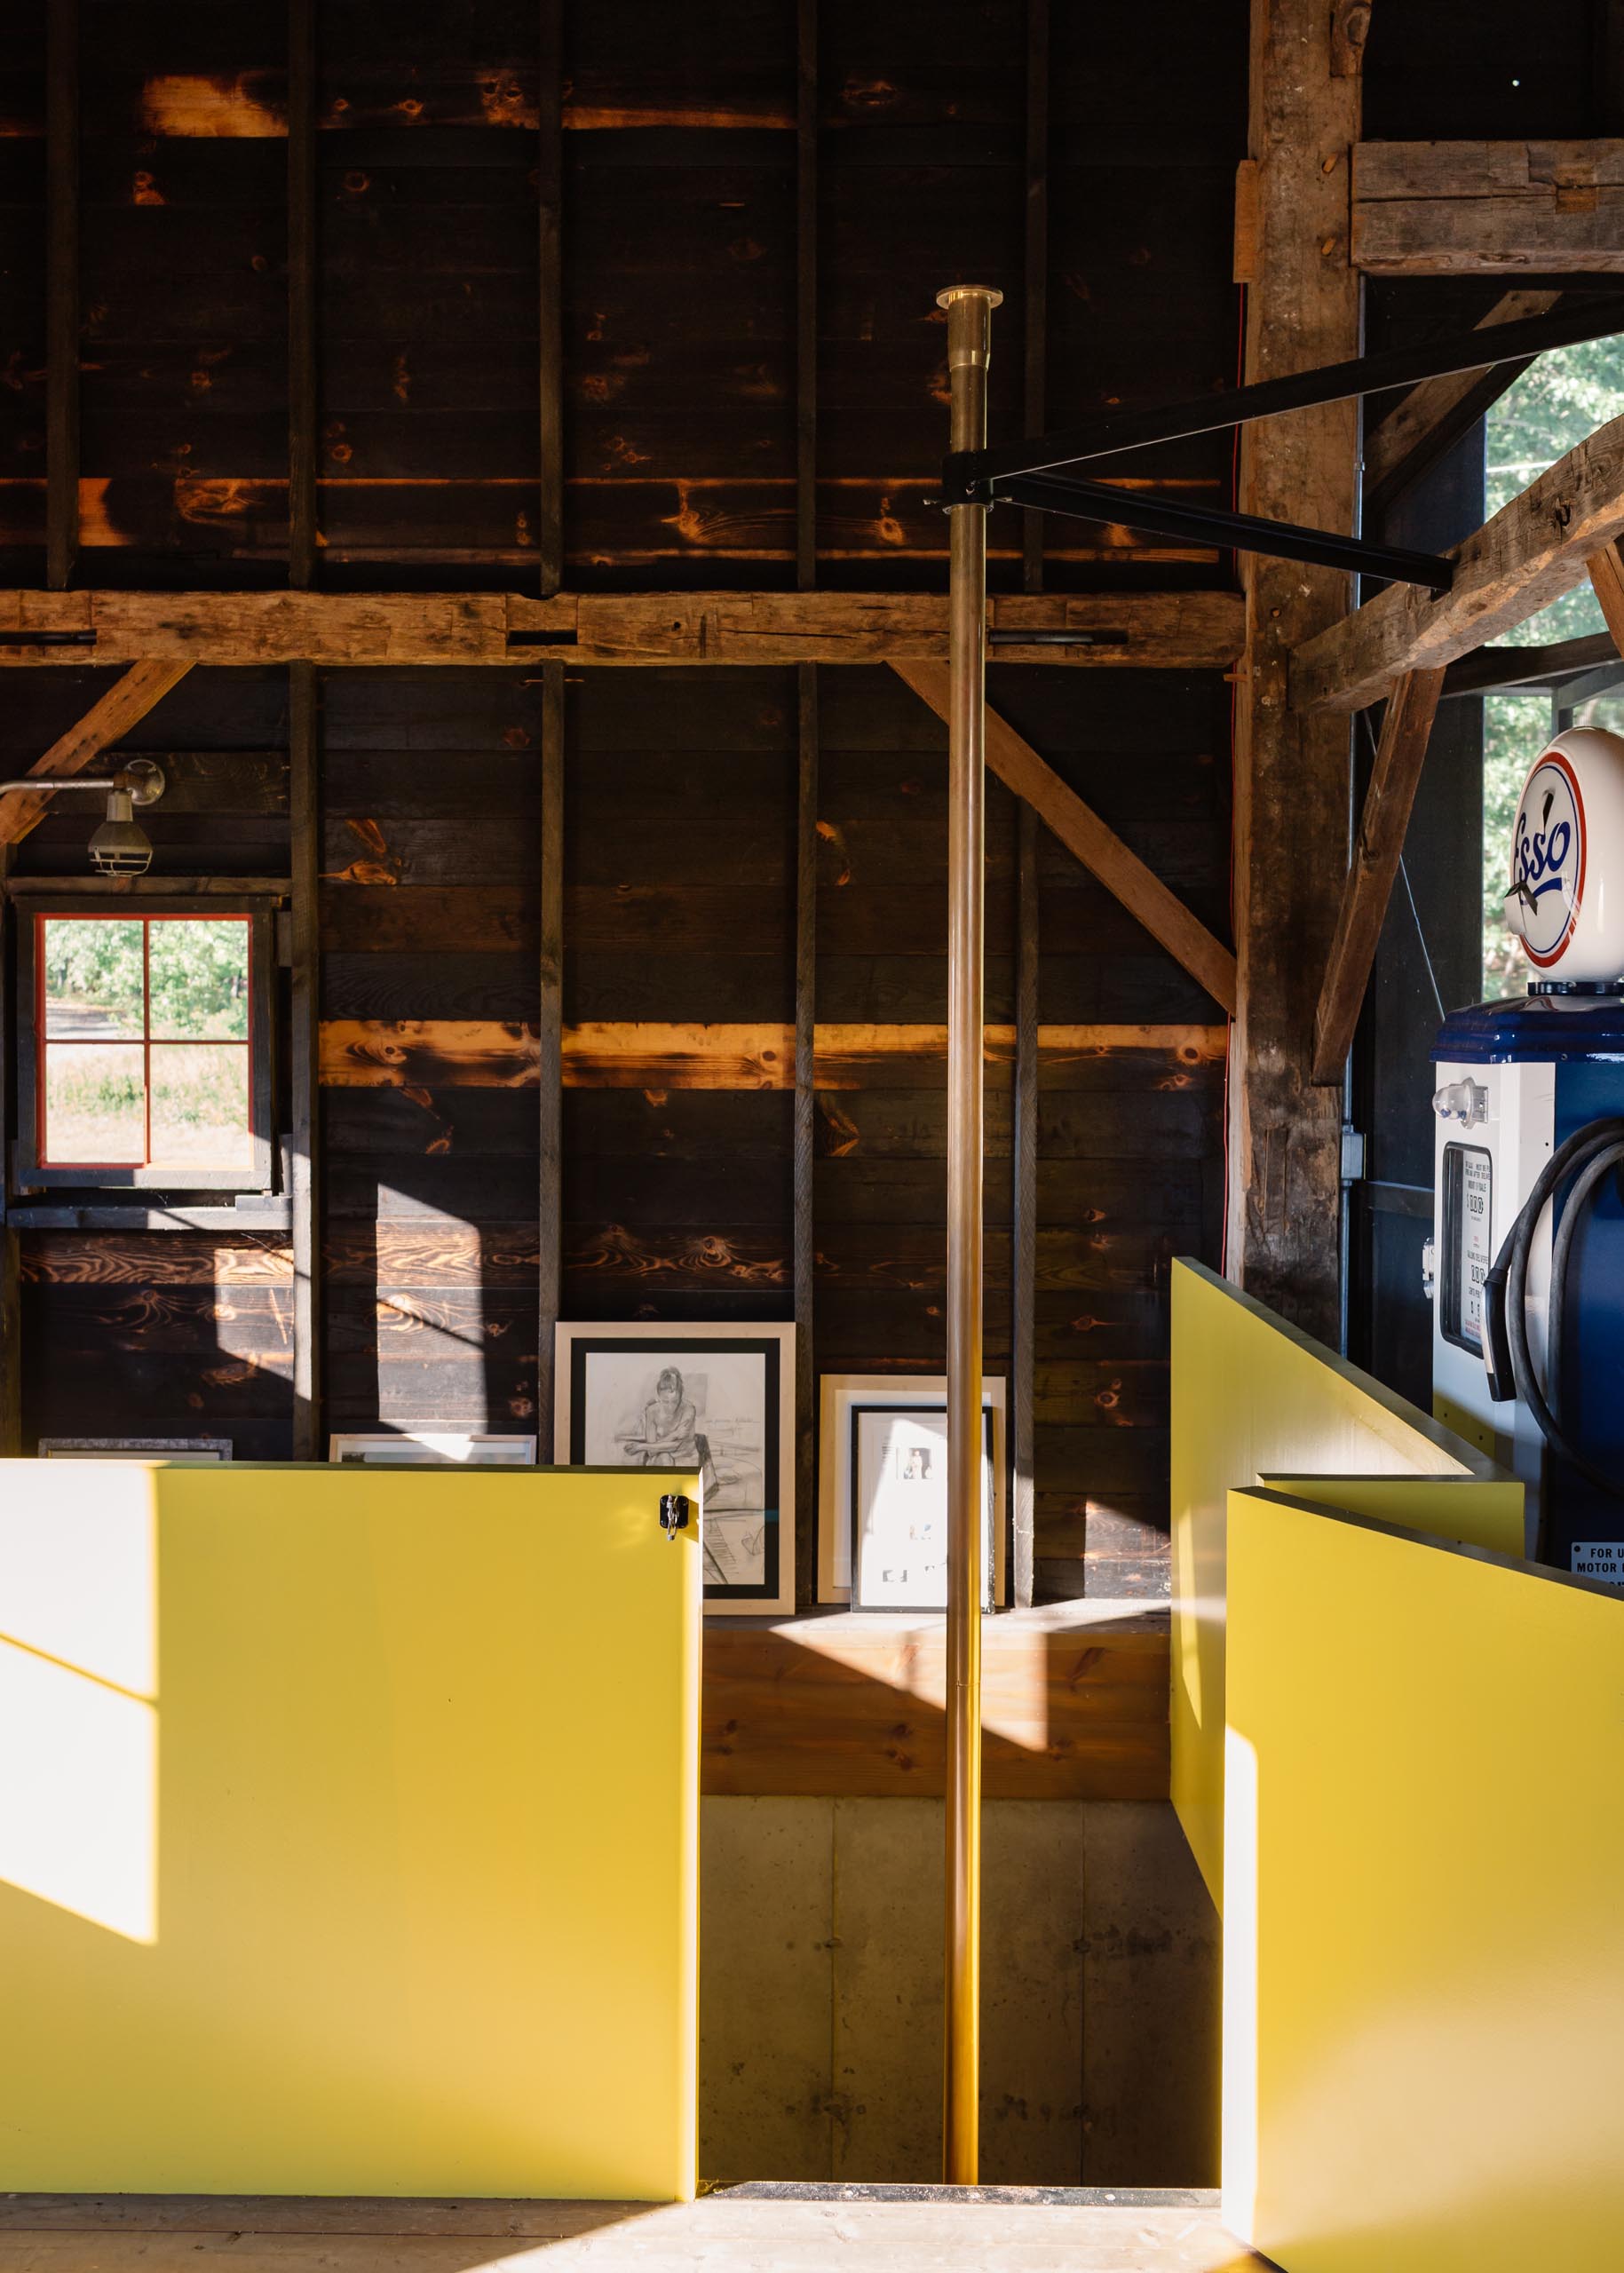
1086,836
1605,570
108,721
1406,725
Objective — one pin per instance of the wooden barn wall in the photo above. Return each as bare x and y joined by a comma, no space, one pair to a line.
163,1334
679,395
679,197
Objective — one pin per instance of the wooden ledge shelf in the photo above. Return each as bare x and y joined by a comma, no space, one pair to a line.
850,1706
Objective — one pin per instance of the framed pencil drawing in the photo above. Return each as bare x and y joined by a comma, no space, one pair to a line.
718,1400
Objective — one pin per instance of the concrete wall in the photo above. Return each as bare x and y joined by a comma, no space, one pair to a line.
821,1993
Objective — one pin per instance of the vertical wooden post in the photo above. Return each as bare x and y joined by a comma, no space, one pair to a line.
61,292
806,297
804,1260
1023,1150
304,742
550,296
10,1291
804,1238
1036,279
549,1053
1291,772
301,387
305,802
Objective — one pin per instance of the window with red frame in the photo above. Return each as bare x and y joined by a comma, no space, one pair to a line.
145,1035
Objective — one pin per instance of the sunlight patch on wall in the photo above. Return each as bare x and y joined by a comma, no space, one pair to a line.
78,1568
911,1659
79,1794
78,1677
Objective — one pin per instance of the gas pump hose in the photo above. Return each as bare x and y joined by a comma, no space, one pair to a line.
1590,1155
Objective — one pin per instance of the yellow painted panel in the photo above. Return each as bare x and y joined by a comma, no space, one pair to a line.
348,1821
1476,1512
1254,1396
1468,1426
1425,1985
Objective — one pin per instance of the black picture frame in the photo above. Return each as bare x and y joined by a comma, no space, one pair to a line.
681,1346
989,1574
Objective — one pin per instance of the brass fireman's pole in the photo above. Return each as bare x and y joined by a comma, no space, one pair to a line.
969,310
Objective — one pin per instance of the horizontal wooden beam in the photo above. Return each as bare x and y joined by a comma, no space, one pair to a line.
147,887
1423,423
1137,630
1394,779
1085,835
47,1216
413,1053
1534,550
1488,208
106,721
1073,1707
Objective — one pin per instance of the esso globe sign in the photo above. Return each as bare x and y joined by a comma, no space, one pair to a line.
1548,859
1566,900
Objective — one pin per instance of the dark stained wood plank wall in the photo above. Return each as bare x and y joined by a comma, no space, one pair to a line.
182,1333
1141,172
432,1245
679,382
62,292
680,1205
24,168
682,351
677,1203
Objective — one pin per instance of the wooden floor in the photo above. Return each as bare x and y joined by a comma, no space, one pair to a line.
778,2229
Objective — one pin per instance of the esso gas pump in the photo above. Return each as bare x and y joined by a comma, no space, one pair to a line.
1526,1264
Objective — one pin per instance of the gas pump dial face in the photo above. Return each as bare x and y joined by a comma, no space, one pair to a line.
1468,1216
1548,858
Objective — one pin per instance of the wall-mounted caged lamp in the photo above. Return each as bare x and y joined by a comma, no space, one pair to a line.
121,846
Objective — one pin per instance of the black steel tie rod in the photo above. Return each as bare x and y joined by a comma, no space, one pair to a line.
968,475
1154,515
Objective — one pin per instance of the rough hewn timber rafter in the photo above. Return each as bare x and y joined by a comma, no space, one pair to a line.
1488,208
1139,630
1534,550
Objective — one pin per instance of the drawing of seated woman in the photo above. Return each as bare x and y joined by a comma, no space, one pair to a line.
670,1438
669,1422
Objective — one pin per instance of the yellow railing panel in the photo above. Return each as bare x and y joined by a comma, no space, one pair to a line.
348,1821
1253,1398
1424,1852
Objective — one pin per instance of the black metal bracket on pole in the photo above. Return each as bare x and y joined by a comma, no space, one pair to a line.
1038,472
